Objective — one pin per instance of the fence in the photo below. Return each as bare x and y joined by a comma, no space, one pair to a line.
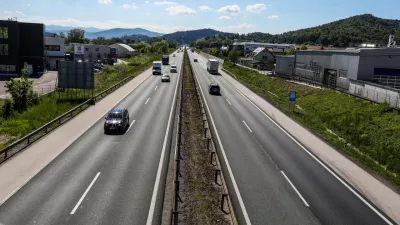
27,140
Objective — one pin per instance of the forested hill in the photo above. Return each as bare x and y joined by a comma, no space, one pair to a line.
191,35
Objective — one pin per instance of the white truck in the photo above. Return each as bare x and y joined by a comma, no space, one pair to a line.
212,66
157,67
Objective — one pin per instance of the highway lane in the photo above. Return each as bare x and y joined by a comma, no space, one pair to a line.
328,199
102,179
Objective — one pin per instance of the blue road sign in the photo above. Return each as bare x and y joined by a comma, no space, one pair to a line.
292,97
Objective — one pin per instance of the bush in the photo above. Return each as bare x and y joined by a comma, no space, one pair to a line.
7,108
108,69
121,68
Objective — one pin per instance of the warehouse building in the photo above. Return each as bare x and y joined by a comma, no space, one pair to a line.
284,65
123,50
335,68
20,43
54,52
88,52
248,47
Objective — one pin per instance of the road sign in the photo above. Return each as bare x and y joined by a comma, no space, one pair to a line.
292,97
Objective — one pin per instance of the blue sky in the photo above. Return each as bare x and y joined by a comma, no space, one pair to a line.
273,16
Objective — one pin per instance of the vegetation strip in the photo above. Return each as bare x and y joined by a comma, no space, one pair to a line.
200,195
368,133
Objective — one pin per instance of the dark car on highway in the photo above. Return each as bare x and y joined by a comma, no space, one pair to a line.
195,60
117,120
214,89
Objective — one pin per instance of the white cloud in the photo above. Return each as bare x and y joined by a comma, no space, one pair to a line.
230,8
129,6
273,17
234,14
256,8
14,13
205,8
180,10
224,18
238,28
147,2
104,1
165,3
20,13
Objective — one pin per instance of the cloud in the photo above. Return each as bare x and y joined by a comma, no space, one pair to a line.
273,17
14,13
230,8
104,1
205,8
224,18
129,6
238,28
147,2
180,10
165,3
256,8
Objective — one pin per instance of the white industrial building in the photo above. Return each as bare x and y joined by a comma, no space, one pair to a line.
90,52
251,46
123,50
54,52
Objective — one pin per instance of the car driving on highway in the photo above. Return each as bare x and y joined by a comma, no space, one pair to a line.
213,89
195,60
117,120
165,78
173,69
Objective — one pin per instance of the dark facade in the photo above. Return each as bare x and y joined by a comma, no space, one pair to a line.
20,43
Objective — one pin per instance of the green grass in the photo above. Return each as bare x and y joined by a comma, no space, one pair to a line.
371,131
21,124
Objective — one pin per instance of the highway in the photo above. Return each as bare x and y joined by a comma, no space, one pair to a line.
105,179
272,179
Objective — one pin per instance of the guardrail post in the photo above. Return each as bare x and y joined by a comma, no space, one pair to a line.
223,199
5,154
209,143
204,123
205,132
212,158
217,172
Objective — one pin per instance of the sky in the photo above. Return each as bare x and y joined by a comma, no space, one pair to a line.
238,16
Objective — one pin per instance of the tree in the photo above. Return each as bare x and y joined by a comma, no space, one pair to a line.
233,56
291,51
62,35
76,35
21,91
303,47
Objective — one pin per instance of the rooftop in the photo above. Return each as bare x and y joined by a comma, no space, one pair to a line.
263,44
117,110
127,47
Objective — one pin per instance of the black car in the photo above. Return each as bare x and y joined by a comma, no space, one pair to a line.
214,89
116,120
195,60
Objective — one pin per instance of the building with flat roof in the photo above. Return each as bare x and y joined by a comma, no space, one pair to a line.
248,47
20,43
54,52
123,50
89,52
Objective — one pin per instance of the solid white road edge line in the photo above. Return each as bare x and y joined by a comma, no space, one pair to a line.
150,216
37,172
241,203
295,189
316,159
228,102
130,125
247,126
85,193
147,101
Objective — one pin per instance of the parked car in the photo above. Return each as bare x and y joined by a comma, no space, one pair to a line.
173,69
116,120
165,78
213,89
195,60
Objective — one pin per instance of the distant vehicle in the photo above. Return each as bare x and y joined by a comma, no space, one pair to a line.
165,78
173,55
270,73
165,60
195,60
157,67
116,120
173,69
213,89
212,66
192,50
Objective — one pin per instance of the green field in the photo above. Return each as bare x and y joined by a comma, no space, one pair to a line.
369,133
21,124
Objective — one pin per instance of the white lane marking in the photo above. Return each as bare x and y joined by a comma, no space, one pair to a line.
150,217
316,159
228,102
130,125
38,171
84,194
239,196
247,126
147,101
295,189
156,88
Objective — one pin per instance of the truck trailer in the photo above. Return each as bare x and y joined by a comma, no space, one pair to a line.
212,66
157,67
165,59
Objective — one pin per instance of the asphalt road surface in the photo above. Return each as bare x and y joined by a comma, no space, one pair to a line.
277,182
103,179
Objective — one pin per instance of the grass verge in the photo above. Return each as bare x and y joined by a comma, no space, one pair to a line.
201,205
21,124
368,133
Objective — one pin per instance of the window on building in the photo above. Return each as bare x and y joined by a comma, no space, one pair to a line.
343,73
3,49
52,47
3,32
87,49
97,49
7,68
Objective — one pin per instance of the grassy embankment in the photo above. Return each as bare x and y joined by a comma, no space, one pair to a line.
20,124
368,133
201,194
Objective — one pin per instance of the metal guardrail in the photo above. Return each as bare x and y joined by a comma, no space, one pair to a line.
30,138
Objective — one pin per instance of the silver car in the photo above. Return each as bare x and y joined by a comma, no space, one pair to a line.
165,78
173,69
